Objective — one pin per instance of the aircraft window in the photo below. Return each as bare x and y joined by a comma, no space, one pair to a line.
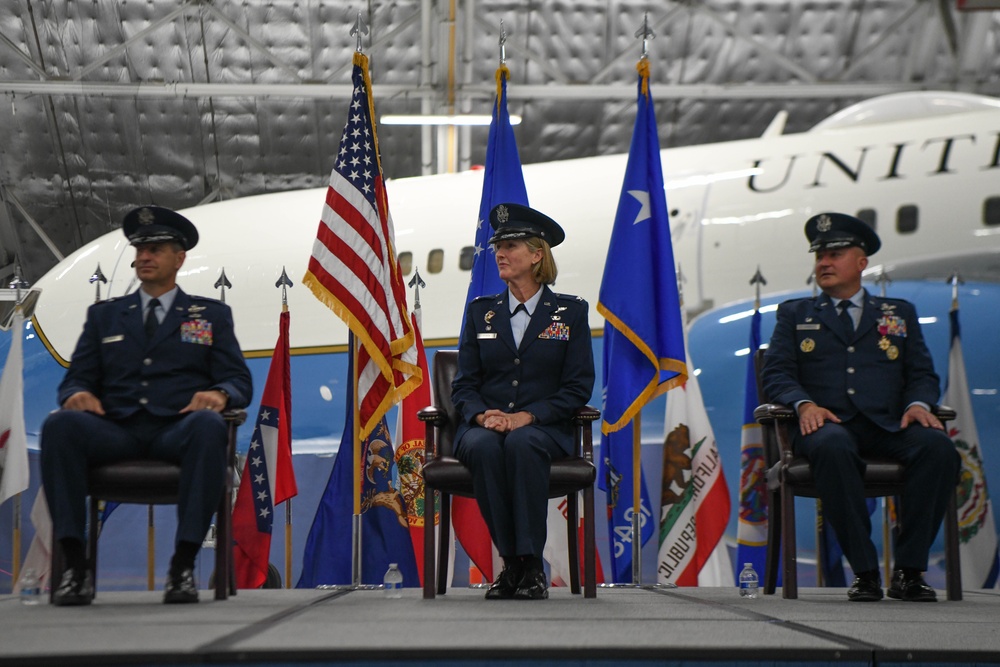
869,217
906,219
991,211
466,257
435,261
405,263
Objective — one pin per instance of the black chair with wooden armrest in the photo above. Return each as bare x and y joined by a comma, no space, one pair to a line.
789,476
148,482
446,474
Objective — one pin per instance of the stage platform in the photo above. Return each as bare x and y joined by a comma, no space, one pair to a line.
622,626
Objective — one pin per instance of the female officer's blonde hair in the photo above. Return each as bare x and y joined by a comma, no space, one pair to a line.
545,270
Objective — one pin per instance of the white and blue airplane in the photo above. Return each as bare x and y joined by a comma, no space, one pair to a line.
923,168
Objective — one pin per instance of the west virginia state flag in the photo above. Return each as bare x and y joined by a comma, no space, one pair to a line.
268,478
643,334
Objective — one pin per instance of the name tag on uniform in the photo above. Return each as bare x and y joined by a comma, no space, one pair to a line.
486,336
807,327
113,339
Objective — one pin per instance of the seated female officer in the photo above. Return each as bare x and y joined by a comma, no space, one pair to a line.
525,364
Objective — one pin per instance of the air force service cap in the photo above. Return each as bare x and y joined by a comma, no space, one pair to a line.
839,230
155,224
515,221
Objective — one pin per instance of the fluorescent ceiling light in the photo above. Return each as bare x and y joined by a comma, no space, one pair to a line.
463,119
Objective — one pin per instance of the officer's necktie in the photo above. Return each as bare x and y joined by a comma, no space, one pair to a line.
845,318
520,309
151,321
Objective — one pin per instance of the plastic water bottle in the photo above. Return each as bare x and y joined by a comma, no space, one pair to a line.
31,588
393,582
748,582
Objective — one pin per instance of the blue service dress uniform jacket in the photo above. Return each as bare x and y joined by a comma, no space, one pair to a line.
142,385
867,378
194,349
878,371
550,374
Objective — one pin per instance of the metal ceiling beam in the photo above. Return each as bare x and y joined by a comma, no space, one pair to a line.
485,91
766,51
255,44
121,48
862,57
25,58
7,195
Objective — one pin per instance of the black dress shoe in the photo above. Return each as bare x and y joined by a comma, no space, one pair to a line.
532,586
76,588
180,588
505,585
910,586
865,589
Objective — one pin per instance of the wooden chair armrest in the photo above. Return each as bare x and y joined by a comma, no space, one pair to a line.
943,412
433,415
586,414
768,413
236,416
583,431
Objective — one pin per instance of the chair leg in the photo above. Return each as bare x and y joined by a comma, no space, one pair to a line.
442,573
429,542
92,543
224,583
773,556
573,541
953,566
589,548
790,584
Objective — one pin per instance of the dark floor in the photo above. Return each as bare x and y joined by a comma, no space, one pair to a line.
623,625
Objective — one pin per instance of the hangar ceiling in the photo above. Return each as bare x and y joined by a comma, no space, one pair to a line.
111,104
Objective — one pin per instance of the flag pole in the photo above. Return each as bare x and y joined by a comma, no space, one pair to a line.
17,284
636,499
888,505
356,484
358,31
284,282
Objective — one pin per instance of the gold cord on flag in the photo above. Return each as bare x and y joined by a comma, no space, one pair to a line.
502,74
643,68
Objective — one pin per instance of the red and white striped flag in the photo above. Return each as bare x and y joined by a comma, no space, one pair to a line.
353,266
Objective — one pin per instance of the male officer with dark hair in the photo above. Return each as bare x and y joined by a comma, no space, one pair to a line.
150,374
859,374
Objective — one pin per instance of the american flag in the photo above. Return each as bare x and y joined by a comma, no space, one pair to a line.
353,266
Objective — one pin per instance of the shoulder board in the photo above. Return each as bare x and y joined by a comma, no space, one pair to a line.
112,299
485,297
195,297
792,303
569,297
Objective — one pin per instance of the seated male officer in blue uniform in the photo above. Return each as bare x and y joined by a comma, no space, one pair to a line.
150,374
525,365
859,374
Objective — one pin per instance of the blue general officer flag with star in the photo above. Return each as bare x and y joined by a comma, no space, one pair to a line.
643,333
503,183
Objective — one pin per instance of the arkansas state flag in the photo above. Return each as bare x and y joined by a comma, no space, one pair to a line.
268,478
